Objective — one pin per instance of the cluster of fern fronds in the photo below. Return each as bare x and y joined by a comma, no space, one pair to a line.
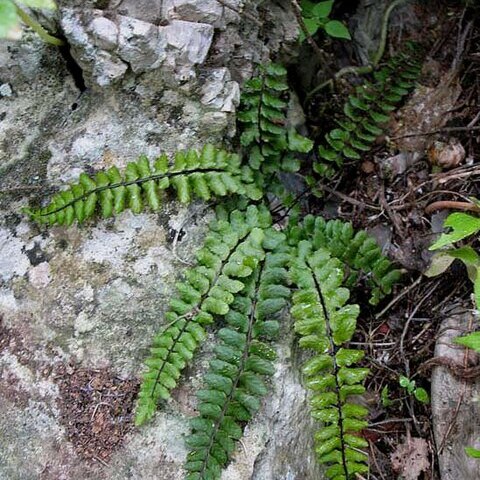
366,112
248,272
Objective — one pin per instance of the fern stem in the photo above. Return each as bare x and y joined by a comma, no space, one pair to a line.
241,367
38,29
333,349
138,181
189,316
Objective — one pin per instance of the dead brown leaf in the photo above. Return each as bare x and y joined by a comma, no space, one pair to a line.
410,459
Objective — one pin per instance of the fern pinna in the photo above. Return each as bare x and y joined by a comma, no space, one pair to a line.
230,254
211,172
325,322
270,146
234,383
366,112
358,251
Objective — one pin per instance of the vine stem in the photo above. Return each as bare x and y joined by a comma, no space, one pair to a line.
362,70
383,36
37,28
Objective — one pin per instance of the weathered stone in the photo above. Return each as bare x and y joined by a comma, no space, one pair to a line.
202,11
146,10
139,44
190,41
220,92
104,32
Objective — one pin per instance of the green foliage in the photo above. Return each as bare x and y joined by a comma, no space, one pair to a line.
471,340
358,251
211,172
269,145
385,397
472,452
247,272
411,387
11,14
316,16
325,322
231,253
462,225
234,384
366,112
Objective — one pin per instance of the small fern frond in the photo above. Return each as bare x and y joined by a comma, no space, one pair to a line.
234,383
325,322
358,251
231,253
366,112
211,172
270,146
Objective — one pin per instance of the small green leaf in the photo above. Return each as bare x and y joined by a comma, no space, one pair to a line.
299,143
421,395
47,4
322,9
472,452
9,22
403,381
312,25
337,29
471,341
384,395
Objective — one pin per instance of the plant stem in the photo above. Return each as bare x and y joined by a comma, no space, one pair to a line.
383,37
297,10
36,27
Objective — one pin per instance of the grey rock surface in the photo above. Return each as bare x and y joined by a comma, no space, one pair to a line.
89,298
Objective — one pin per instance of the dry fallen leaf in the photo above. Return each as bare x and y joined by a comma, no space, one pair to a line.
410,459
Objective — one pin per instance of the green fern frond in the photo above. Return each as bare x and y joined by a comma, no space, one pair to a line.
366,112
325,322
234,383
270,146
231,253
211,172
358,251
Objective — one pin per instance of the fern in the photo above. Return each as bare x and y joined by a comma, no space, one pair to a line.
230,254
211,172
358,251
270,146
234,383
367,112
325,322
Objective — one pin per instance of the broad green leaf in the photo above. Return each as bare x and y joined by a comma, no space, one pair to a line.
337,29
471,341
472,452
322,9
312,25
462,224
47,4
9,22
440,262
